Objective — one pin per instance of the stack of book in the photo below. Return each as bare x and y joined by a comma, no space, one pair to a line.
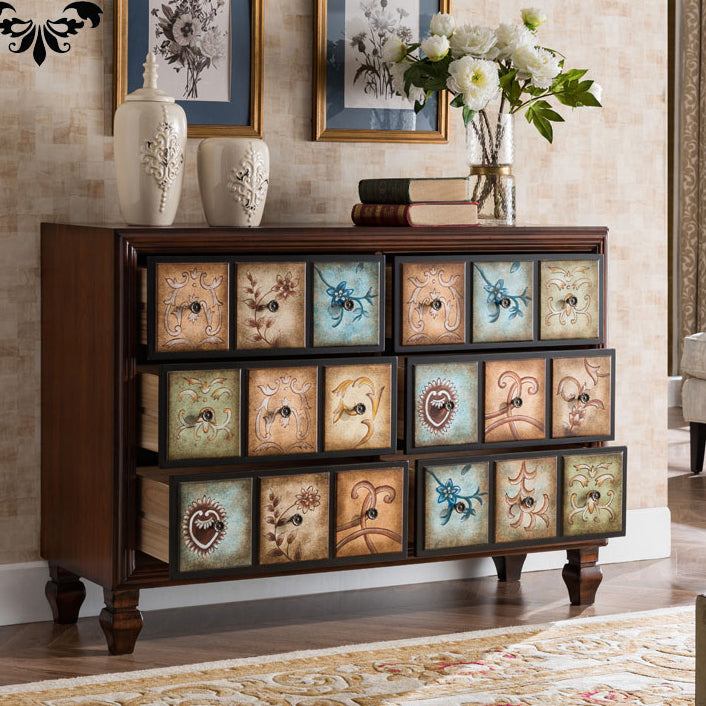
441,201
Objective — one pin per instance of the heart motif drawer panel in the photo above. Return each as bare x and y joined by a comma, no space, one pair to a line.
515,399
571,299
271,304
594,492
371,512
525,498
360,406
442,403
431,307
294,518
191,310
348,302
282,410
503,301
453,506
582,395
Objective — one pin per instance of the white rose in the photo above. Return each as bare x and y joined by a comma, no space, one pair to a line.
533,17
436,47
510,38
397,72
393,50
470,40
596,90
442,24
539,65
476,79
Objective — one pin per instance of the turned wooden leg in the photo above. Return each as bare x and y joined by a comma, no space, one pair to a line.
120,620
582,575
65,594
509,568
697,443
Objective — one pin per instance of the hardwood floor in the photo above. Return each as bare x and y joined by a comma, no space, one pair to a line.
38,651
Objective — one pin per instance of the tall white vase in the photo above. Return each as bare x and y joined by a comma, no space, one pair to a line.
150,145
234,174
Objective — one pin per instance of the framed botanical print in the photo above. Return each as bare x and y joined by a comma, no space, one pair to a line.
353,96
209,55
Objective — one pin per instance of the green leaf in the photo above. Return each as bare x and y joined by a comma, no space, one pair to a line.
468,115
507,78
457,102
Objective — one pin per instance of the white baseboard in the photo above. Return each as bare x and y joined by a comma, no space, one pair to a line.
22,585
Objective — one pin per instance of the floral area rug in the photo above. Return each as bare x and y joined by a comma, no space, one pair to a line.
639,658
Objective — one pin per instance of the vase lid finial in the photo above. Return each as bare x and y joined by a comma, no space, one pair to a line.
149,90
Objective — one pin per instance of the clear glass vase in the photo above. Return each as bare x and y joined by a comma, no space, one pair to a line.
491,151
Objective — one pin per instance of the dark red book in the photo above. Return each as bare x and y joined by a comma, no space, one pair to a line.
464,213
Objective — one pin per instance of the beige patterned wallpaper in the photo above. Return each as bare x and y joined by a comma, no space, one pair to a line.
606,167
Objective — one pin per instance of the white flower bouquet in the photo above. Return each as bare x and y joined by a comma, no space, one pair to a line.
477,64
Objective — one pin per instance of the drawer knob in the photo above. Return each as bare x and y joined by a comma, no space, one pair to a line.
527,502
195,307
273,306
505,302
584,397
594,495
449,405
436,304
207,414
348,304
219,526
372,513
359,408
285,411
296,520
460,507
516,402
571,300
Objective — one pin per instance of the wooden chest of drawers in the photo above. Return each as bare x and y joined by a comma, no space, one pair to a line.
245,403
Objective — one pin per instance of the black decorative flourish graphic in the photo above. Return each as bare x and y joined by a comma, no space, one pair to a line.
51,33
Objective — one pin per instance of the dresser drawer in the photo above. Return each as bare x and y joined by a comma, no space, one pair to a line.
294,518
453,506
594,492
571,299
359,406
431,303
525,498
371,512
189,307
503,294
201,525
348,303
582,395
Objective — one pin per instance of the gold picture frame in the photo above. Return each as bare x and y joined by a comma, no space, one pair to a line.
338,119
234,117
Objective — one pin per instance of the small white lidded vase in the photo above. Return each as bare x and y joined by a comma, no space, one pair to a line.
234,174
150,145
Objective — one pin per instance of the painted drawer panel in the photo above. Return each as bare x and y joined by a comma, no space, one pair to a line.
594,488
348,303
294,518
570,299
271,305
503,301
582,396
515,399
432,303
445,403
203,414
212,528
191,307
455,505
525,499
282,410
359,407
370,512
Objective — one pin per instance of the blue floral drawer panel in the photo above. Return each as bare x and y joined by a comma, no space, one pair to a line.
211,525
348,303
503,301
455,505
570,299
444,403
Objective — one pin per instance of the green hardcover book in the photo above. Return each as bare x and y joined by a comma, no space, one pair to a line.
414,190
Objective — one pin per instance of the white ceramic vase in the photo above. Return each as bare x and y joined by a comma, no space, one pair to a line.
234,174
150,145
